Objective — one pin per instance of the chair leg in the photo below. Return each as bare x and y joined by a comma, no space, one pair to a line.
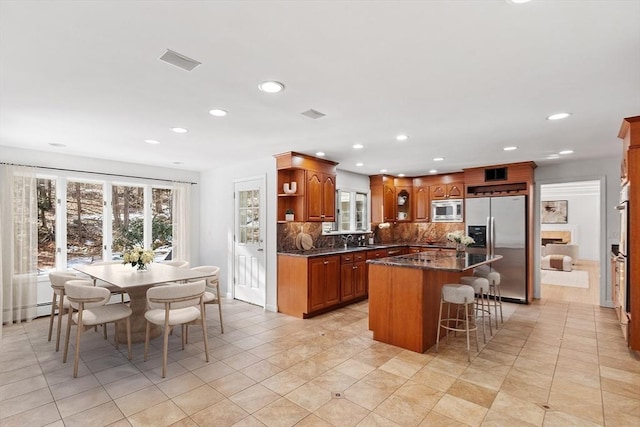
183,335
66,340
60,314
165,350
146,340
219,306
115,333
53,311
104,330
78,332
204,331
439,326
466,325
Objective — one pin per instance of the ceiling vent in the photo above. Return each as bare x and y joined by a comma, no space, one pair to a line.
313,114
180,61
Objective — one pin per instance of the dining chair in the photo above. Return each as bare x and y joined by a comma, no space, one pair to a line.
177,263
59,304
212,291
172,305
92,309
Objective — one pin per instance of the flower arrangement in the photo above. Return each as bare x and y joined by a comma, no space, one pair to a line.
460,238
138,257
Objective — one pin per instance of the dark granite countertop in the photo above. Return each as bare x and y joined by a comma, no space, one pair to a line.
341,250
437,260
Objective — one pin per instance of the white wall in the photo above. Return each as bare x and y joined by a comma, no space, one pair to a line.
605,170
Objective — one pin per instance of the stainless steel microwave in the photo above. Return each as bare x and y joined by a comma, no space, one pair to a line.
447,210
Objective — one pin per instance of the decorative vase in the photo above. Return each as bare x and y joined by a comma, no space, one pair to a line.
290,188
288,217
460,250
142,267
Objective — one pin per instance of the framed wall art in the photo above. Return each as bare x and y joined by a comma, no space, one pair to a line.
553,212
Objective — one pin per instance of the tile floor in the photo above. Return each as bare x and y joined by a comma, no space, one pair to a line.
549,364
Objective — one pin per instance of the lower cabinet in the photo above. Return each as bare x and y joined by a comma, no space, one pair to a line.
353,269
324,282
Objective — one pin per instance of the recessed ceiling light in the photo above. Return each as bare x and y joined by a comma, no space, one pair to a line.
566,152
400,175
320,153
402,137
179,130
558,116
177,163
56,144
151,141
553,156
357,146
271,87
511,148
518,1
433,171
383,170
217,112
438,159
359,164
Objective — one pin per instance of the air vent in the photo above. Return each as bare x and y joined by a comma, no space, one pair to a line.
180,61
497,174
313,114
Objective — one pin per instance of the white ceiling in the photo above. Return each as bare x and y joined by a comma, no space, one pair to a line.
462,78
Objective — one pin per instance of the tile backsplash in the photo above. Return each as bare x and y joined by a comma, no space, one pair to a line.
405,233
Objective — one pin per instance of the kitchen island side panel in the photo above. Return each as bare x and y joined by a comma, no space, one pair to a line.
404,304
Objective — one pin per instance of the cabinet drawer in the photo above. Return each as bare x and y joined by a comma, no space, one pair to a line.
381,253
353,257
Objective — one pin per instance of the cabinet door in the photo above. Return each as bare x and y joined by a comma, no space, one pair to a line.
389,202
421,203
455,190
403,203
314,196
329,198
317,280
360,278
438,191
332,280
346,282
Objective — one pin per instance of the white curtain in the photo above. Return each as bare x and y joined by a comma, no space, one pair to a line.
19,243
181,224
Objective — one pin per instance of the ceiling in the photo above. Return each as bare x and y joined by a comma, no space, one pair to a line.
462,78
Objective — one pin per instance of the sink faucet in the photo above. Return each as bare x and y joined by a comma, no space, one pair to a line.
347,239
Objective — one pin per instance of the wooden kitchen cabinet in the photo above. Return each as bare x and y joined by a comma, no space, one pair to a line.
421,203
321,196
308,286
383,199
315,197
353,277
404,197
454,190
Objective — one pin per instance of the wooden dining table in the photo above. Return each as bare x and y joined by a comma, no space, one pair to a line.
135,283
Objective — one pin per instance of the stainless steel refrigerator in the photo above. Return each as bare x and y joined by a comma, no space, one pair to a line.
499,226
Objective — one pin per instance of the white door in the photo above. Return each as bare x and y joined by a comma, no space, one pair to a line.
249,276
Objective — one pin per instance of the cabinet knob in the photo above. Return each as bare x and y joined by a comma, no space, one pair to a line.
326,262
355,267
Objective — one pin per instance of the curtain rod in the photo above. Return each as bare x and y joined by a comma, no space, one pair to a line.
99,173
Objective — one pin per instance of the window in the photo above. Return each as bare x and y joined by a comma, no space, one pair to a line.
161,223
249,217
46,224
127,218
352,213
84,222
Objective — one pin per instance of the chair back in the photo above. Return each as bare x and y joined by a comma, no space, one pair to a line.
83,291
177,263
59,278
178,295
213,275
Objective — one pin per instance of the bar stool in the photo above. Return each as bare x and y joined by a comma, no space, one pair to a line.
461,295
494,297
480,287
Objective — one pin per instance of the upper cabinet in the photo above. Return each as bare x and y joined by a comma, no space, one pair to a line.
314,198
421,204
449,186
383,199
404,196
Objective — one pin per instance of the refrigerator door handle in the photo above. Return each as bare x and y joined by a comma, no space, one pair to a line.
493,237
488,236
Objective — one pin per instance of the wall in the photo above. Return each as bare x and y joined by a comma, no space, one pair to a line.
607,172
583,214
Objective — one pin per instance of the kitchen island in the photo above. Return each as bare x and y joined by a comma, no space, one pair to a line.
404,294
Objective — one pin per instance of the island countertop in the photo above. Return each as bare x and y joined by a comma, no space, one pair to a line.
437,260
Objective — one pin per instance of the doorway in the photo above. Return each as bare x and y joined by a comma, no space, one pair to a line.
570,226
249,273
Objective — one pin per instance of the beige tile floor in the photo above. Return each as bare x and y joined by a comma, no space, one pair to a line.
549,364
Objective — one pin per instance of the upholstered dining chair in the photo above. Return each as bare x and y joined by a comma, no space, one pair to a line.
171,305
59,304
212,291
177,263
92,309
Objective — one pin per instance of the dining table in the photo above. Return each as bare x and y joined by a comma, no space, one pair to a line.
135,283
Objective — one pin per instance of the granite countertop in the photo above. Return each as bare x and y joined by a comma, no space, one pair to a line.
437,260
342,250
